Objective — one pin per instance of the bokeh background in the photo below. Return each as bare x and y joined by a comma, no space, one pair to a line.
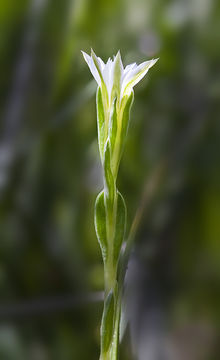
51,274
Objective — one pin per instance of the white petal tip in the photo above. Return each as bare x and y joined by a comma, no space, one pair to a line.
86,56
154,61
93,54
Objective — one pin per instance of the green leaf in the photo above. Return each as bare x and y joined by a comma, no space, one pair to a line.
107,325
123,318
113,126
100,224
100,122
122,123
108,177
126,116
120,225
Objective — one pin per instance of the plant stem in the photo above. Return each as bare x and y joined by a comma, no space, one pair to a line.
112,353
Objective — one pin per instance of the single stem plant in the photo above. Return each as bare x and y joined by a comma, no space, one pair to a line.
114,100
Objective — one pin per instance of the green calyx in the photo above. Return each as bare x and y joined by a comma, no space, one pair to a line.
112,123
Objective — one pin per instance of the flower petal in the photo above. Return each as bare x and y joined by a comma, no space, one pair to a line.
92,67
135,74
118,72
108,76
99,64
113,78
129,67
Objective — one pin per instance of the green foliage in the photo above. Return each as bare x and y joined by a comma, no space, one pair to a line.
107,326
127,103
100,224
113,126
109,180
123,123
120,226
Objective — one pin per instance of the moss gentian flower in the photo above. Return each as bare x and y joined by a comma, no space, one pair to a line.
114,99
116,79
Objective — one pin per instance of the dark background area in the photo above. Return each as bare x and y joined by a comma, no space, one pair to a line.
51,272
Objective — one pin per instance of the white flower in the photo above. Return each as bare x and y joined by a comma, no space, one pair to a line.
113,78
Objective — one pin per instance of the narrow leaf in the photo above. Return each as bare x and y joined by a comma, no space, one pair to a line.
107,326
121,215
108,177
126,115
100,224
123,319
113,126
123,121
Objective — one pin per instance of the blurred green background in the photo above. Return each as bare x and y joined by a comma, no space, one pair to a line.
51,272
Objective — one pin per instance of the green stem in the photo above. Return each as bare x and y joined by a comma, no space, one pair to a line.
112,353
115,342
110,268
110,273
110,276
